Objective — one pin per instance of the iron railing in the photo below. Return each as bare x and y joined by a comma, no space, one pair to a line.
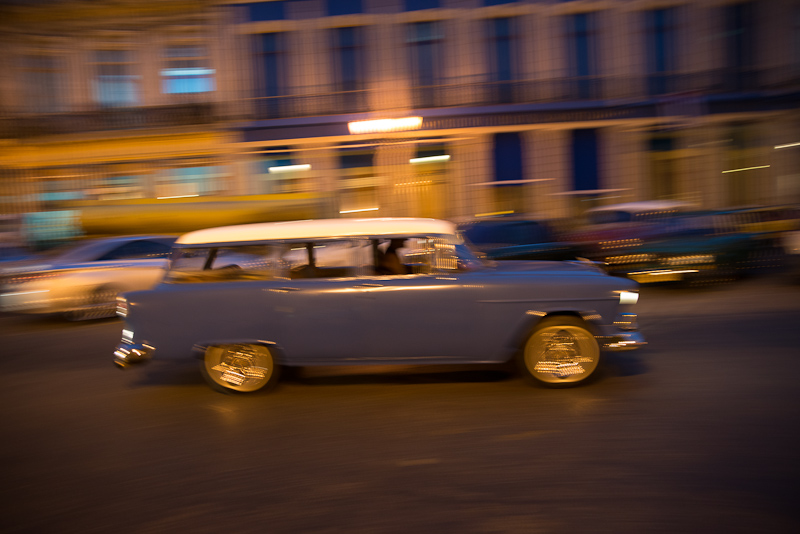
324,100
459,93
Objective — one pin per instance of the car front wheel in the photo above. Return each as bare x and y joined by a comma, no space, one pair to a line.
98,303
239,368
561,351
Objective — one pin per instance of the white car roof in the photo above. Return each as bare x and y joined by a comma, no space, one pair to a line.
645,206
318,228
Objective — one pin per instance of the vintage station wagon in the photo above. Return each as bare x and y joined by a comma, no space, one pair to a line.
248,300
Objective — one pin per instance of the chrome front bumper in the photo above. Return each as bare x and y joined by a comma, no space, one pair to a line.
128,354
623,341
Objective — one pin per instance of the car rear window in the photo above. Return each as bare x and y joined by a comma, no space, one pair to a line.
218,264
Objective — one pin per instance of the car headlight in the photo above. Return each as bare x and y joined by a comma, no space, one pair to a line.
628,297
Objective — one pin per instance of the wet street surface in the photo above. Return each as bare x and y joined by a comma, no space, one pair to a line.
698,432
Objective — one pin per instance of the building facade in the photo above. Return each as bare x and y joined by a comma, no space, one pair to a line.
159,111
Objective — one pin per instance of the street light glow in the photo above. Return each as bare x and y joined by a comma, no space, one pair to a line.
746,169
788,145
430,159
384,125
289,168
358,211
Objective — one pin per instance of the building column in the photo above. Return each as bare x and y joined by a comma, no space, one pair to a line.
627,60
387,70
307,57
623,162
552,54
529,43
11,85
324,178
551,152
396,196
784,158
471,164
81,75
150,52
705,146
615,48
537,202
703,28
240,165
229,64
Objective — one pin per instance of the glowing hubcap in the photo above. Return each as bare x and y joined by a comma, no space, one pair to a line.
560,356
238,366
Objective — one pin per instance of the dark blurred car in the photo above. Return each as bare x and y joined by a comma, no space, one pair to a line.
82,280
517,238
768,226
621,227
706,246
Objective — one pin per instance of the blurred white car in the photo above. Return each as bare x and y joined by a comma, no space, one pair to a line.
82,280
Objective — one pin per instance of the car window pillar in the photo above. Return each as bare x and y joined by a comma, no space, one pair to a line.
212,254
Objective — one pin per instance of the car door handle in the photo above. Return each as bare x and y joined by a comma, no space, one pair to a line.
367,286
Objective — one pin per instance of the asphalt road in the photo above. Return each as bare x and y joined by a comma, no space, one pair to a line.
696,433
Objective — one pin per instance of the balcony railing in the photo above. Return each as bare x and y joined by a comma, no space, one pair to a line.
453,93
315,103
559,90
29,125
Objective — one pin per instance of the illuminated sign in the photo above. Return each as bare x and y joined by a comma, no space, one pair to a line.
384,125
430,159
289,168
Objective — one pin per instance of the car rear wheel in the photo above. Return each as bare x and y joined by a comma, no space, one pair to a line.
561,351
239,368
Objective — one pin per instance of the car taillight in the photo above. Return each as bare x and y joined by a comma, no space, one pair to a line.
122,306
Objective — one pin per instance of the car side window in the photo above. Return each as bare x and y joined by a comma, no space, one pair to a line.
390,256
404,256
329,258
223,264
137,250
